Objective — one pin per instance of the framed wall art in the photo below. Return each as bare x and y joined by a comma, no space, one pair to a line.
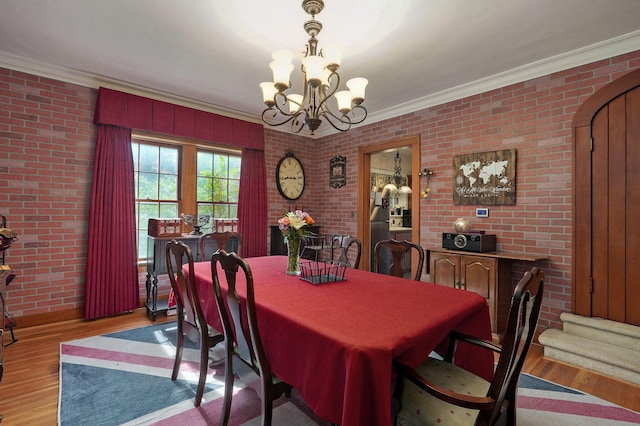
338,172
485,178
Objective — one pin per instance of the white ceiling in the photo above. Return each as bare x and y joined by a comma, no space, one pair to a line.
214,53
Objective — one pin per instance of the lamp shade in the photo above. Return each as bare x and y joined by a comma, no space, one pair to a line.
332,54
344,101
357,87
268,92
313,66
281,66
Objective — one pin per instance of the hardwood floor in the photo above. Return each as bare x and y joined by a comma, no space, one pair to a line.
29,388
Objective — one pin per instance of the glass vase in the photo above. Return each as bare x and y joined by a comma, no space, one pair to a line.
293,245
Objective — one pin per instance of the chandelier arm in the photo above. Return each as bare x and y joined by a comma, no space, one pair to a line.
332,119
274,114
279,107
296,124
328,93
364,114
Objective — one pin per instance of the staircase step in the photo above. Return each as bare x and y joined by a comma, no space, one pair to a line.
605,358
602,330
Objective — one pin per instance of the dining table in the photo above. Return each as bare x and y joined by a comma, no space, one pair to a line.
334,342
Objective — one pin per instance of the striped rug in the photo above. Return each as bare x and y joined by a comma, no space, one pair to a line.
124,379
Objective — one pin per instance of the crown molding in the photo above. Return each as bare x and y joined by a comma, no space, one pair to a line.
29,66
607,49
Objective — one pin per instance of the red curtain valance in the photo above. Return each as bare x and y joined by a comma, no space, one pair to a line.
137,112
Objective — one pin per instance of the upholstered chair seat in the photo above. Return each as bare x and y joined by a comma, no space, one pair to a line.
420,408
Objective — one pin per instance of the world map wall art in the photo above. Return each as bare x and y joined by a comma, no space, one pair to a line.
485,178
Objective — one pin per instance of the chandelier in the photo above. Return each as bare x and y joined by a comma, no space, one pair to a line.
397,177
321,82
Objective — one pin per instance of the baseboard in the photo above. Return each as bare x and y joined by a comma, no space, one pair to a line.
53,317
49,317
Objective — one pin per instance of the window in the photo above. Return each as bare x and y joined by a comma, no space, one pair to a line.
174,177
218,183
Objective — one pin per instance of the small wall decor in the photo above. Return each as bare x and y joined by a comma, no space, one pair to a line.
338,172
427,190
485,178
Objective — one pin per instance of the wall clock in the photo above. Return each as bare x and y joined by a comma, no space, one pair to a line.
290,176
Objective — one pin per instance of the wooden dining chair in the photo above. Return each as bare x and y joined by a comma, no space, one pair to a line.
313,245
211,242
344,248
397,250
438,392
190,317
237,309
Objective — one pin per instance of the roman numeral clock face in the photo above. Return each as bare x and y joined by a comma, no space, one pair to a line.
290,177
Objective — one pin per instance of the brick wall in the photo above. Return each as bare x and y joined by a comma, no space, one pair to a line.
534,117
46,155
46,149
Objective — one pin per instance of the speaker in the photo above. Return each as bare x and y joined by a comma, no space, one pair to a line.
469,242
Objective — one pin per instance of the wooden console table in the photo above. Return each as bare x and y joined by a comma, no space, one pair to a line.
157,265
488,274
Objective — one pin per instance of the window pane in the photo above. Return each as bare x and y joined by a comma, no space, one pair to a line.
142,244
149,158
148,186
168,187
219,190
234,189
146,211
169,160
220,166
134,150
169,210
204,190
234,167
205,164
221,210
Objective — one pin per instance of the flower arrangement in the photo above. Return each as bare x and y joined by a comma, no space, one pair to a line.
293,226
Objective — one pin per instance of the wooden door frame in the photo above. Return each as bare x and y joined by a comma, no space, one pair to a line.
582,199
364,191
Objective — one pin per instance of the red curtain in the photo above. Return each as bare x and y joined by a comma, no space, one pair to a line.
111,285
252,203
112,280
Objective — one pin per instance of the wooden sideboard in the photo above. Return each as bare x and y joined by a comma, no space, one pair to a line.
488,274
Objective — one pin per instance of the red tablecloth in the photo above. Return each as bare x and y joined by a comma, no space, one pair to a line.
334,342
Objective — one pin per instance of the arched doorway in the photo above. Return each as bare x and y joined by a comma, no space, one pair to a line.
606,240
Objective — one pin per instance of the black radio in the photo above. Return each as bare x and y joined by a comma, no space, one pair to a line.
469,242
